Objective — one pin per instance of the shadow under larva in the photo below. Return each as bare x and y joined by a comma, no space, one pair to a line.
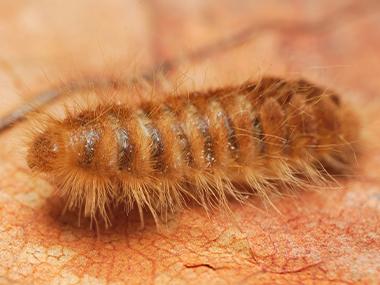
160,154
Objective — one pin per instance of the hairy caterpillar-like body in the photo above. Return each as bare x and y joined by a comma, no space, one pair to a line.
201,146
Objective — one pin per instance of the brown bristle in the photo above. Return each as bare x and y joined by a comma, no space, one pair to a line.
159,154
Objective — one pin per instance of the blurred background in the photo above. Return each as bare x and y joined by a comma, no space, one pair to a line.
216,42
332,237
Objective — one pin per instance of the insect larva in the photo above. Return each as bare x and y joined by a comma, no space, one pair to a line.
200,146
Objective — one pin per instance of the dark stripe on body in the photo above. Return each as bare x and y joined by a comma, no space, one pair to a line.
125,147
125,150
157,148
257,129
91,138
203,128
232,142
180,134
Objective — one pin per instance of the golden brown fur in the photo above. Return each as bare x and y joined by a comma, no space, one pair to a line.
198,146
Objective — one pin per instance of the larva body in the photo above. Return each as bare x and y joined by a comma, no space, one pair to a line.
199,146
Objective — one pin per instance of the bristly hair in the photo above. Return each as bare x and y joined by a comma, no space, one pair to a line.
206,146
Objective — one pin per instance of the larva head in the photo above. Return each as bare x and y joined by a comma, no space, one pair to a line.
43,151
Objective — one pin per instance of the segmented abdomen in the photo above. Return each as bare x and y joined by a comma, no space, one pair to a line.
198,145
225,131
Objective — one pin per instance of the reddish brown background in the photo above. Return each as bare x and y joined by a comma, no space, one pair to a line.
332,237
